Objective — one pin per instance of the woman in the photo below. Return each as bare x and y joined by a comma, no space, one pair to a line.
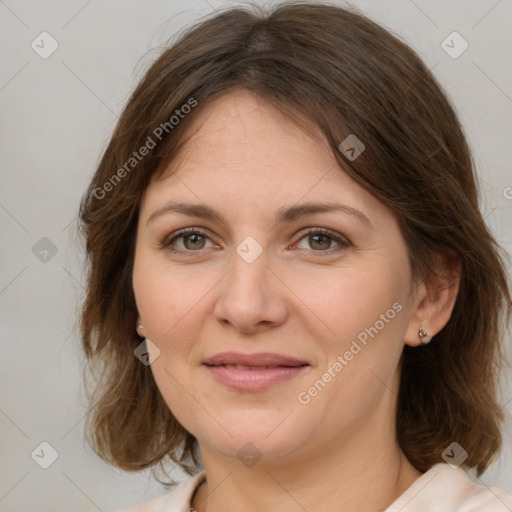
292,293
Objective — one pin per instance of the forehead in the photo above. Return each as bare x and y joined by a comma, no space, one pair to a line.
240,131
242,152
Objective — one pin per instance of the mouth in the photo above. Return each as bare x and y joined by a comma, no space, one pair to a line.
253,372
254,368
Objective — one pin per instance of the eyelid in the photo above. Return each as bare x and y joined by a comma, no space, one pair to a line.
341,240
185,231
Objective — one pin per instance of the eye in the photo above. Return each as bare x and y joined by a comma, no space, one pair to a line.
191,240
321,240
195,240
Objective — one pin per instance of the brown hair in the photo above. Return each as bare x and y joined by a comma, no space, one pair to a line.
337,70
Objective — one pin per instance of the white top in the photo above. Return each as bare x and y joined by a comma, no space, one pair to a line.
441,489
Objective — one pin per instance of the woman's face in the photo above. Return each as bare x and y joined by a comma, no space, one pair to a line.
278,324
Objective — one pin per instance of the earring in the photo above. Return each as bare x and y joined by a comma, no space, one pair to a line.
141,326
424,337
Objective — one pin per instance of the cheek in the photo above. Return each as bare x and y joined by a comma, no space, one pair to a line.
343,302
166,298
168,306
365,308
369,313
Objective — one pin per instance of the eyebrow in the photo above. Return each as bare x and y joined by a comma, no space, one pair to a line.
284,215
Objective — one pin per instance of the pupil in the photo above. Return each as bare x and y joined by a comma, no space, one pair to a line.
325,238
194,239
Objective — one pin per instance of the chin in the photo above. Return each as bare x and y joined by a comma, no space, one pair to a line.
270,436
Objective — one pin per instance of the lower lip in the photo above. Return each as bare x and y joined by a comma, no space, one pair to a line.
254,380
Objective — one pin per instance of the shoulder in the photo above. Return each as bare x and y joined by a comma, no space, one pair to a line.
446,489
178,500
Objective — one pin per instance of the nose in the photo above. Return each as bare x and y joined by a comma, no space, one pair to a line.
251,298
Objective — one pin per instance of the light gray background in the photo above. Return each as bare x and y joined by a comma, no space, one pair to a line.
56,117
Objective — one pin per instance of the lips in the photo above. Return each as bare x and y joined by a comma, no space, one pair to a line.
263,359
253,372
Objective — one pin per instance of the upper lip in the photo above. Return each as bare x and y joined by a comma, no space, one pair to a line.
261,359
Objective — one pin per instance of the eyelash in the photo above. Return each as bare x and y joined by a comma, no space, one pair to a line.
343,242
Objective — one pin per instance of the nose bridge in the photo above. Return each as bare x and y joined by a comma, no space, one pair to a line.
248,297
249,273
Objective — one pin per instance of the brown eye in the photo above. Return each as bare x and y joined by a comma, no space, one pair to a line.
193,241
322,240
187,241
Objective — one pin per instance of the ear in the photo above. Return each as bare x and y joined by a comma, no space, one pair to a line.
434,299
139,328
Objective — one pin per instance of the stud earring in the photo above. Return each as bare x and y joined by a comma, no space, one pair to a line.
141,326
424,337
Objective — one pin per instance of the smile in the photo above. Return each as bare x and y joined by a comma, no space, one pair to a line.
253,372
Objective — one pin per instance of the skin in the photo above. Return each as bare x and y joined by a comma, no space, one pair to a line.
304,296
